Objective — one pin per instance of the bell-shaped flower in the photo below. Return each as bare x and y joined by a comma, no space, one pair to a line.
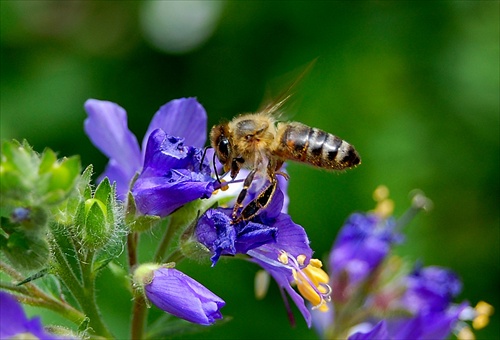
178,294
173,175
106,126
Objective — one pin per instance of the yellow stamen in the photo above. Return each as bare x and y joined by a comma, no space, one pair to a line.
385,206
466,334
224,187
316,274
283,258
484,310
301,259
319,278
315,263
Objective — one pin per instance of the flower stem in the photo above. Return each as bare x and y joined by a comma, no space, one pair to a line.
132,242
84,290
139,311
88,300
164,243
139,314
178,223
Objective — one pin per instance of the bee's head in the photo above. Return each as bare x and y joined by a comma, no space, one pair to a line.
220,141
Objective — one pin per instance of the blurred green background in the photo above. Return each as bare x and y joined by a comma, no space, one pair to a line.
413,85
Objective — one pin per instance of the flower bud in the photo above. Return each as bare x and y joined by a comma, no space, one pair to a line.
178,294
95,218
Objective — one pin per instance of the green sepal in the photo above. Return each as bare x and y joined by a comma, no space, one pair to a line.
97,231
189,245
65,212
138,223
103,190
95,218
194,250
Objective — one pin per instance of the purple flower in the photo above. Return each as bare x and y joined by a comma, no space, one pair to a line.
215,231
180,295
171,176
383,300
429,296
14,323
106,127
361,245
431,289
273,241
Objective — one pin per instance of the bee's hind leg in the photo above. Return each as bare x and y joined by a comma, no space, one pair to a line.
258,203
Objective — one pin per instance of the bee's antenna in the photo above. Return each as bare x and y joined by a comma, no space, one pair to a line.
203,156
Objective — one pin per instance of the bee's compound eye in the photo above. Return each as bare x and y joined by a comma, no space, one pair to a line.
224,147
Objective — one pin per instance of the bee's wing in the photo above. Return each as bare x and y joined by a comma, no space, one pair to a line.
274,107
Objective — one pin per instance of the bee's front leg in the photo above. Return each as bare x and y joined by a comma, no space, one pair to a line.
243,193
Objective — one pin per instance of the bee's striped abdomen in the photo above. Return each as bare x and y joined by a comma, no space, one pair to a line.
305,144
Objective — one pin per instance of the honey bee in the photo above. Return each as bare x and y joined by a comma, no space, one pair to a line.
257,141
261,143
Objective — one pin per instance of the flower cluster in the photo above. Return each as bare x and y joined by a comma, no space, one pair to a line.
57,226
376,295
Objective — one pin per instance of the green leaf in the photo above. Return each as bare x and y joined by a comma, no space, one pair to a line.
27,251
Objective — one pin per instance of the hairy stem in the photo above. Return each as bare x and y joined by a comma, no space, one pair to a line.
83,291
88,301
